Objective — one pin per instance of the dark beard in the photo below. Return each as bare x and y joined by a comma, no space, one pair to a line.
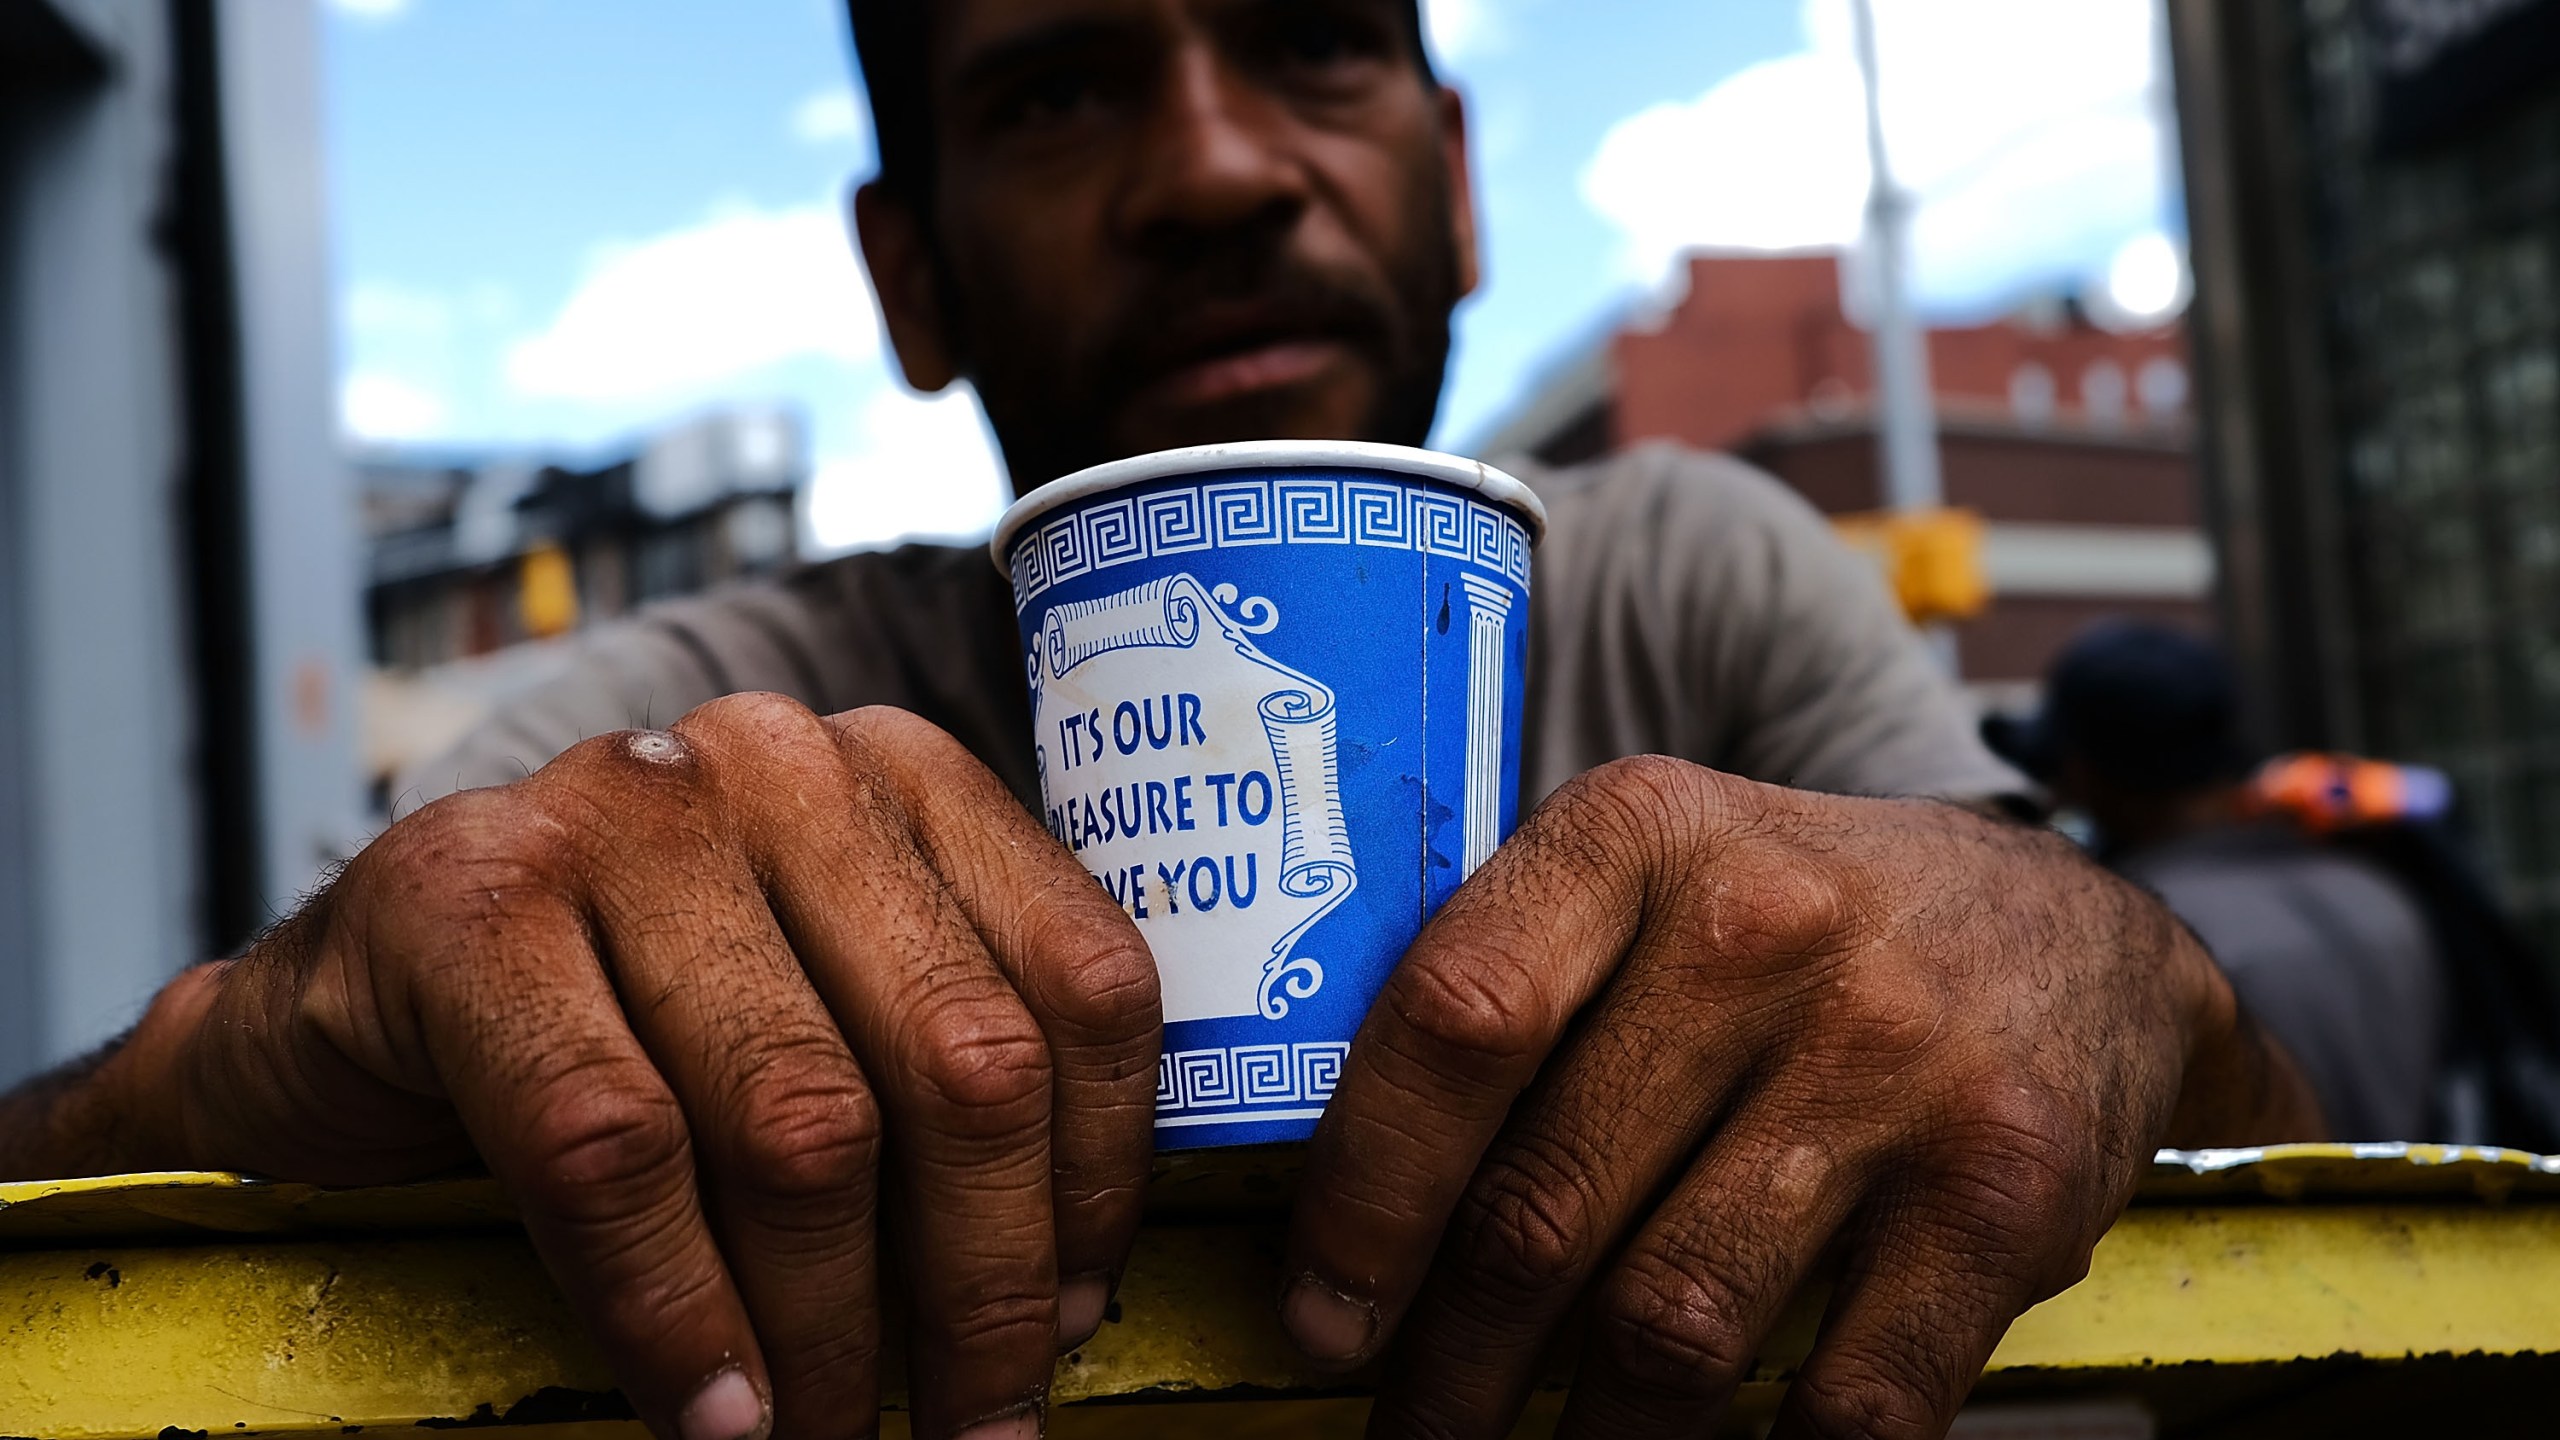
1054,413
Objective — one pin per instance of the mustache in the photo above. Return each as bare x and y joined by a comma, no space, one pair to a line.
1197,315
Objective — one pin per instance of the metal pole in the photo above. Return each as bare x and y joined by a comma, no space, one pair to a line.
1906,414
1907,428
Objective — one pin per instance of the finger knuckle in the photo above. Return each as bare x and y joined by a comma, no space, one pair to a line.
2013,1158
985,1061
884,730
763,739
877,747
1107,989
608,789
1003,1320
1657,778
1661,1331
608,1149
1863,1399
1526,1233
1655,794
813,1136
623,766
1471,1003
762,716
491,828
473,858
2017,1230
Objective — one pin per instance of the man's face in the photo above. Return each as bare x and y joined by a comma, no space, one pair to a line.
1172,222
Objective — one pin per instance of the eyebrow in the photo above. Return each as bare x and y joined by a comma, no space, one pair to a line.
1028,47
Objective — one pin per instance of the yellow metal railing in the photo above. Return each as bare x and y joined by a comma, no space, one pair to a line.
2244,1287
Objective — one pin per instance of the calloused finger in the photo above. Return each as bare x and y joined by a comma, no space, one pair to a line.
1587,1152
958,1065
1940,1267
785,1131
1080,967
512,1010
1458,1031
1683,1315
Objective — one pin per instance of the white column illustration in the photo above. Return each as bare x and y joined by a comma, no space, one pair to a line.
1490,605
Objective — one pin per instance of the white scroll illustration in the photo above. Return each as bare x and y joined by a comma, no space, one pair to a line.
1490,606
1199,779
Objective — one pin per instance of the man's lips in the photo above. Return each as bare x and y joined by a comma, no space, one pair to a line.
1270,365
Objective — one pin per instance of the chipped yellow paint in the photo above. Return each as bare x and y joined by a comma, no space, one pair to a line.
207,1303
189,1204
295,1337
2239,1285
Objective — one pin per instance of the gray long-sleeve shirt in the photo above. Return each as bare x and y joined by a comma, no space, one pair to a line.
1681,604
2329,953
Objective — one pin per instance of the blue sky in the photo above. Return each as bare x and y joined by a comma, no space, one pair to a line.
560,222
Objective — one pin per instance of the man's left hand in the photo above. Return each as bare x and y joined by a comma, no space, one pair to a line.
1685,1036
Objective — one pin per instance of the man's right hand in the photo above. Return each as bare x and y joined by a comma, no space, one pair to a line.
707,1000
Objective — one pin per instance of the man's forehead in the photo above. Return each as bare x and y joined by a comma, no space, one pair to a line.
964,27
964,30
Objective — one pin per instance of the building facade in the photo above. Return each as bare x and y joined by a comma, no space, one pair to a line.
469,557
178,629
2374,193
2071,441
474,560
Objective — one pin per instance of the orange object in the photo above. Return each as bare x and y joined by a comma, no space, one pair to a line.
547,592
1931,558
2324,792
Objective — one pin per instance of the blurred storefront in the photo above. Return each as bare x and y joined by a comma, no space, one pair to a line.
472,556
482,569
2068,440
178,622
2374,199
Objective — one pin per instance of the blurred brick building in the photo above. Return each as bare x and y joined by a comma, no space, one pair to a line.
2072,441
483,570
472,557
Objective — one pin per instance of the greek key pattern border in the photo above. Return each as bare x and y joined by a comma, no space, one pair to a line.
1230,514
1249,1076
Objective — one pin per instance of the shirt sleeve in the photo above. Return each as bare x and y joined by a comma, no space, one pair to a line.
2332,957
638,673
1702,609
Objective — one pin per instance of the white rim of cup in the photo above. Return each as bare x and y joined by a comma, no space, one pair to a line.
1452,470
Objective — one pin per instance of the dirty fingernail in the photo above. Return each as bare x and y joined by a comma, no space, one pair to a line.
1326,1323
728,1408
1020,1425
1081,1304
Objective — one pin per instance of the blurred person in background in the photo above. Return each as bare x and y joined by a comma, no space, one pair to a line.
711,1000
2333,890
2140,733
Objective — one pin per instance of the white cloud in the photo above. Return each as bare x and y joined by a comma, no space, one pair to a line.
371,9
2025,126
375,406
1707,172
1459,29
670,317
827,117
924,467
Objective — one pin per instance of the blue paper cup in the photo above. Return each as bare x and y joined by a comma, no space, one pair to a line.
1275,693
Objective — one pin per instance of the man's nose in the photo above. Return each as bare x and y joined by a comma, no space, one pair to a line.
1210,160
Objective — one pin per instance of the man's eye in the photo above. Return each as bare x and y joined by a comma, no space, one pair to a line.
1312,39
1049,97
